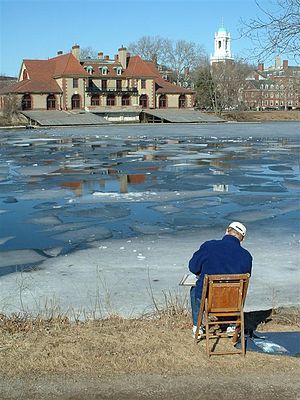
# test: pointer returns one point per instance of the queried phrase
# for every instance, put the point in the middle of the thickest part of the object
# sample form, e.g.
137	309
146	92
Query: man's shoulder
210	243
247	253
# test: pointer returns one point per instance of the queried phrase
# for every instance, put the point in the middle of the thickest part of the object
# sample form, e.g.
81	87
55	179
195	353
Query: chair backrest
226	293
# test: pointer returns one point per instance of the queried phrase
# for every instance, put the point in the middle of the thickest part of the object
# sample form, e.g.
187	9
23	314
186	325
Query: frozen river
102	219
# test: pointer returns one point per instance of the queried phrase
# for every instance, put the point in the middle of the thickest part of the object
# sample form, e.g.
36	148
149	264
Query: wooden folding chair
222	303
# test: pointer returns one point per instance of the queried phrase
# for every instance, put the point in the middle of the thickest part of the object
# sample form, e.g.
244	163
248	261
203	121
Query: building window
25	75
125	100
110	100
75	82
104	70
75	101
143	83
104	84
89	69
26	102
119	84
95	100
51	102
119	71
182	101
90	82
162	101
144	101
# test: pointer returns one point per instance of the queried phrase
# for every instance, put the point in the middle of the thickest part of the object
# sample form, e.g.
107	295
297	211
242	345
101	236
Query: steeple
222	50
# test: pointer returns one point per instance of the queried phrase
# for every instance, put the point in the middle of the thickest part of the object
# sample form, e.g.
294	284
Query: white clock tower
222	51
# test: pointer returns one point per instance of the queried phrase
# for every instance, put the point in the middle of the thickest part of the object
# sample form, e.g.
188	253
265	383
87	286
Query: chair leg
243	345
206	330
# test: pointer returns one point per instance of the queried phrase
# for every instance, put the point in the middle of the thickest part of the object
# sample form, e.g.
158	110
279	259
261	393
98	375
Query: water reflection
181	183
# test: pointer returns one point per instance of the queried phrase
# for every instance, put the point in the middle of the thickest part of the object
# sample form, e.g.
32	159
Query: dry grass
253	116
159	344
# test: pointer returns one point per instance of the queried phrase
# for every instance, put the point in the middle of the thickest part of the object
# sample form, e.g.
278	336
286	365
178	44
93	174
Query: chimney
122	53
154	59
76	51
100	55
59	53
285	64
106	58
256	77
261	67
116	57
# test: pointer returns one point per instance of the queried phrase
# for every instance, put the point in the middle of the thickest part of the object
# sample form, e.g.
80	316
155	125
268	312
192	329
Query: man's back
224	256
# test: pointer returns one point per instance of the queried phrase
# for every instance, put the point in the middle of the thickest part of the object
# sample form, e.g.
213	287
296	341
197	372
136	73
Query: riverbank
261	116
144	358
19	121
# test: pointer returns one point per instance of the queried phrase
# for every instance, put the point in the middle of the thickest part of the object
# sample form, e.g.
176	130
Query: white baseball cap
239	227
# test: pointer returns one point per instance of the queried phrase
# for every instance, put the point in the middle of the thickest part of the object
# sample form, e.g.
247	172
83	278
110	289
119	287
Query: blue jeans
195	304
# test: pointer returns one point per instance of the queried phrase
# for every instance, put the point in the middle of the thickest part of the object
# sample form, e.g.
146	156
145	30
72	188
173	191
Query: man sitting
216	257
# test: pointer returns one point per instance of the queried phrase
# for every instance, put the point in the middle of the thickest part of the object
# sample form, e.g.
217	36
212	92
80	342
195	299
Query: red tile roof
138	68
163	86
42	74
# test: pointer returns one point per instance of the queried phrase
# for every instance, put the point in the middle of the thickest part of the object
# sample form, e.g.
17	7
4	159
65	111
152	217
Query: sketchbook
188	280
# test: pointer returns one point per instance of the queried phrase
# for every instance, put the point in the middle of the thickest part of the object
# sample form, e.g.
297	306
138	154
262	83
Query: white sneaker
230	330
201	331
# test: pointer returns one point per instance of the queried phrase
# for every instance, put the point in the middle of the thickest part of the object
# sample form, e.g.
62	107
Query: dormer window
25	75
89	69
104	70
119	71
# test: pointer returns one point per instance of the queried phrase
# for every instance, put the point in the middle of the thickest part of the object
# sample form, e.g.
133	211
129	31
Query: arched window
25	75
75	101
182	101
125	100
144	101
26	102
162	102
95	100
51	102
110	100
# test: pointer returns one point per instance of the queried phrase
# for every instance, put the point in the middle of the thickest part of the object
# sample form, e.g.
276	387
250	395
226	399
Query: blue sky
38	29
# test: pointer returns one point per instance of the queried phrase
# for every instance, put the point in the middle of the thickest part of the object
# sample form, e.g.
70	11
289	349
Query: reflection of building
220	188
76	187
67	82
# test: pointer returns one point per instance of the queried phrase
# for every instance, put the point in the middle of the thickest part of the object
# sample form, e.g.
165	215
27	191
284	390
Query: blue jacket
225	256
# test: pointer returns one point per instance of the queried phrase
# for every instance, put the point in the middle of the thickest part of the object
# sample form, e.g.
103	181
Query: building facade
273	88
67	82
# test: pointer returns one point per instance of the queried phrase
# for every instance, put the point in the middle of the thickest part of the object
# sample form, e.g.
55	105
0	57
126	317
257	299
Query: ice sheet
140	200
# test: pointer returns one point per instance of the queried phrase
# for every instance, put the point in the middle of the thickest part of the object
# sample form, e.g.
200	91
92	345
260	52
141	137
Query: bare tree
184	58
227	83
277	30
181	56
11	107
152	47
87	52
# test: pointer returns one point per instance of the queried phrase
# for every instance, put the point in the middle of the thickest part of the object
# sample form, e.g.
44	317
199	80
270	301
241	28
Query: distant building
222	47
67	82
273	88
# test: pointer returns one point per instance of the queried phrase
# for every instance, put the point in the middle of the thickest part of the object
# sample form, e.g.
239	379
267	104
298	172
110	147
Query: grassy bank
159	344
262	116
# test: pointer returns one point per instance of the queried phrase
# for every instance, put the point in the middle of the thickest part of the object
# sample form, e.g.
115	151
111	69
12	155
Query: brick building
275	88
67	82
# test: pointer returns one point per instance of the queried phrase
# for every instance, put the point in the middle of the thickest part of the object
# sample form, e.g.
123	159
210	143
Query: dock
178	116
51	118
